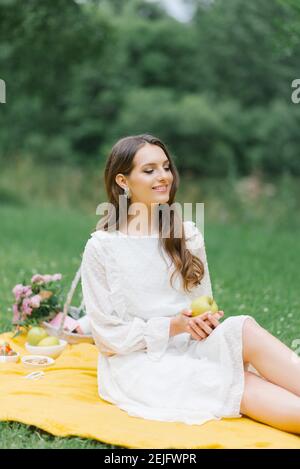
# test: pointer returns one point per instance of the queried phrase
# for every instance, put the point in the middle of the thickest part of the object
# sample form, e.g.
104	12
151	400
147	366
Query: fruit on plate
202	304
49	341
6	350
35	335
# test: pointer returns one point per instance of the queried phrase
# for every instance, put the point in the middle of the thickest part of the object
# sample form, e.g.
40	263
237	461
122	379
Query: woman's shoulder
193	236
102	234
95	244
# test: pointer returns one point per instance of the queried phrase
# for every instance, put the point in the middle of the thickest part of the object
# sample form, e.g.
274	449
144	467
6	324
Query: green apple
35	335
48	341
202	304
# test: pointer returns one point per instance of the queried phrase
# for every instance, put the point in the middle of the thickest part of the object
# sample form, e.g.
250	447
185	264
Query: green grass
253	267
15	435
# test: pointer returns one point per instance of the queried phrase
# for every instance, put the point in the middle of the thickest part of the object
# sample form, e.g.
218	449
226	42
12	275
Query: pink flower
47	278
26	308
35	301
18	291
37	278
56	277
16	313
27	291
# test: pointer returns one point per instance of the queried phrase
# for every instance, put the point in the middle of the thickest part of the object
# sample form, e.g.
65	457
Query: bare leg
270	357
270	404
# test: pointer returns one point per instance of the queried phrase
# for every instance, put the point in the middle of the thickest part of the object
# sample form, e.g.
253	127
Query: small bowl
9	358
35	361
51	351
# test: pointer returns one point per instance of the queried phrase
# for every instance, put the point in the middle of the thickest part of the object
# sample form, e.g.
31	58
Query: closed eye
151	170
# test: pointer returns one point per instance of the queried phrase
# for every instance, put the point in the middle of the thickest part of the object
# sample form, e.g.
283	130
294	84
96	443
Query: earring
127	192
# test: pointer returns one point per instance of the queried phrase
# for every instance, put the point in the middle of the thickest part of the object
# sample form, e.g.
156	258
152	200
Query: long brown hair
120	160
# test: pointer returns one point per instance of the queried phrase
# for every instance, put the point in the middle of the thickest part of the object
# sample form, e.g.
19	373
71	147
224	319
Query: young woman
156	361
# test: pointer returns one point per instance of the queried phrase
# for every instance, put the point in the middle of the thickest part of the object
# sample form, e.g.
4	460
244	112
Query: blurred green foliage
217	89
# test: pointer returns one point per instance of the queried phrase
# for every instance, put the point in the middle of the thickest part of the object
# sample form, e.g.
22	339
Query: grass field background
252	244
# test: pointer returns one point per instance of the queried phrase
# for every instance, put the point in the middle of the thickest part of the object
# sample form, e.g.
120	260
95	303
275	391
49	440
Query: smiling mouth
160	188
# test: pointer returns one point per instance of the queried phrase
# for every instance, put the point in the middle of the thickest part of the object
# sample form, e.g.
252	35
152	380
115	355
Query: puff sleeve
112	334
195	244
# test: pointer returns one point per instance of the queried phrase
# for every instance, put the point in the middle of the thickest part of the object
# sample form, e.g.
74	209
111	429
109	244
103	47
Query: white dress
143	371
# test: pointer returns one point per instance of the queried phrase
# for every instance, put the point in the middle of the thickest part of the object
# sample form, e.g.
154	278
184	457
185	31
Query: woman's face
151	170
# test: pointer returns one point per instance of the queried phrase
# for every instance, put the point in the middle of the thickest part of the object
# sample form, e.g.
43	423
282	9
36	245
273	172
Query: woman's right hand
200	326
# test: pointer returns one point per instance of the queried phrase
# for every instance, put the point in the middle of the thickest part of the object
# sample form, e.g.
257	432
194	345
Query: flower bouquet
37	302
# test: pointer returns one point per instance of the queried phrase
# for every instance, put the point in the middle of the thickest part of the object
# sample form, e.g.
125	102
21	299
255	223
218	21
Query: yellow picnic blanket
65	402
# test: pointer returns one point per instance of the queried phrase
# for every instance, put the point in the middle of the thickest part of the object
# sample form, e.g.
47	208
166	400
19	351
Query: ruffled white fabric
130	302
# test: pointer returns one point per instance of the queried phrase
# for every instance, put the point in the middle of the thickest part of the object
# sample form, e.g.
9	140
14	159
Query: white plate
26	360
9	358
51	351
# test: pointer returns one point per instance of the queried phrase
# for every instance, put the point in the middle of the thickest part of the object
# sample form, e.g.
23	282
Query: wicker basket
70	337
